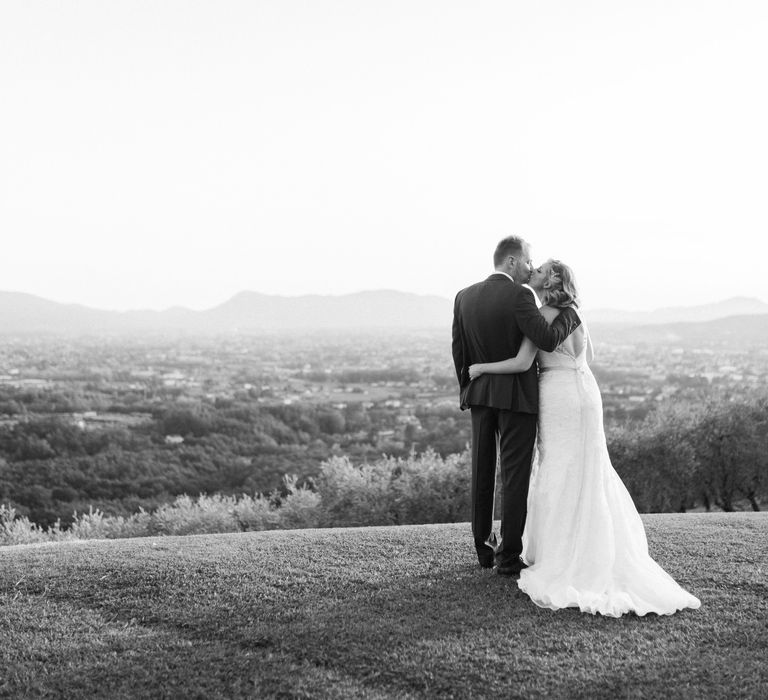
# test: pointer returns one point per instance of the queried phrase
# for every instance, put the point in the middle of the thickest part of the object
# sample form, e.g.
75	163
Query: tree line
50	466
681	456
698	454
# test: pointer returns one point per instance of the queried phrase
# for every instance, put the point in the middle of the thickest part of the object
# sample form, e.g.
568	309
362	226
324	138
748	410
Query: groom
490	319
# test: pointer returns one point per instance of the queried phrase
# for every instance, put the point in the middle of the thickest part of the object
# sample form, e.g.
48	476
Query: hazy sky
157	153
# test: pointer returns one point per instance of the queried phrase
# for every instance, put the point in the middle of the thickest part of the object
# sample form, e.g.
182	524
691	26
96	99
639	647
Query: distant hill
732	322
732	331
249	312
736	306
245	312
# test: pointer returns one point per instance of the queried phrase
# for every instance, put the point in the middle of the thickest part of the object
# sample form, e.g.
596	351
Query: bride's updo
561	291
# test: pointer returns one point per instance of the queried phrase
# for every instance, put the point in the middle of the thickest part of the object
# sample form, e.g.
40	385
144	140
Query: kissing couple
569	528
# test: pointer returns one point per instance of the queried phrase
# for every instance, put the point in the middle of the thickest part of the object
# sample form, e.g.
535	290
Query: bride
584	542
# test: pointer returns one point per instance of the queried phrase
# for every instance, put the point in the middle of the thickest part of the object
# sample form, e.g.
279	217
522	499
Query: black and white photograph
393	350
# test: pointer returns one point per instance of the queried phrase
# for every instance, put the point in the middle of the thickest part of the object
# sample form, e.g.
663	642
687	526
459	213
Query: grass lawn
374	612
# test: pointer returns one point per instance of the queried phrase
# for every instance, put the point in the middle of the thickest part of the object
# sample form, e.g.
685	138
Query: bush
300	508
94	525
352	496
431	489
416	489
187	516
256	513
20	530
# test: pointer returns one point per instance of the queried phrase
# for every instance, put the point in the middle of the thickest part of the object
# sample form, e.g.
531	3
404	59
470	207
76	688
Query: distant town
397	375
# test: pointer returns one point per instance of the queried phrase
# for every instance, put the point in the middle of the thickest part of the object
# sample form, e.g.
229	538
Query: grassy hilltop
392	612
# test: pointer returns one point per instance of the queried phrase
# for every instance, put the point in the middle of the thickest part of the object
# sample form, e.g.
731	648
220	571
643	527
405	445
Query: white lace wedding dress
584	541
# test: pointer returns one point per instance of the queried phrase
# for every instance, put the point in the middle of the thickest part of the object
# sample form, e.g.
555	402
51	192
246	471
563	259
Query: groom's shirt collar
535	296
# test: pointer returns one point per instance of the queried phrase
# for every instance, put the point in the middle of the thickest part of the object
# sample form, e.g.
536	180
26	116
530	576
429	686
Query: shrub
204	515
353	495
300	508
431	489
256	513
20	530
422	488
94	525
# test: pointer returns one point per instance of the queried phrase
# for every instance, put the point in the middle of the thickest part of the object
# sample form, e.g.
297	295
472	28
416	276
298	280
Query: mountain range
22	313
736	306
249	312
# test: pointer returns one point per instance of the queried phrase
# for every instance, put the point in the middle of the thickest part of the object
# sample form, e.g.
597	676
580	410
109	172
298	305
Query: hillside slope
369	613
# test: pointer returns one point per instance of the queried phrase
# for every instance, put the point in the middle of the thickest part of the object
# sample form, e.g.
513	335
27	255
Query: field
393	612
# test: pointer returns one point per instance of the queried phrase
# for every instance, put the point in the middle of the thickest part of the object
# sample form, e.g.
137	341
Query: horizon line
139	309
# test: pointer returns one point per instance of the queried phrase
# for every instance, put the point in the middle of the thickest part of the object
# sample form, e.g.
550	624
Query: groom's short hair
511	245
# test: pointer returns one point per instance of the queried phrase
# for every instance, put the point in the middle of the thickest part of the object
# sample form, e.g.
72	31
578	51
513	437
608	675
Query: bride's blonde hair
562	291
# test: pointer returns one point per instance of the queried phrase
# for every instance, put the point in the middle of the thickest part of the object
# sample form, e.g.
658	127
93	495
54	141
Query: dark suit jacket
490	320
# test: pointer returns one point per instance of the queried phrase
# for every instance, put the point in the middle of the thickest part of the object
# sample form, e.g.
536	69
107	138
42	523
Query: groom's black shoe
486	560
512	568
486	552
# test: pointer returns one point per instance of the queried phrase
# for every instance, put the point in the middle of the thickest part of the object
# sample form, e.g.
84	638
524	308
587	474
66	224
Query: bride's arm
519	363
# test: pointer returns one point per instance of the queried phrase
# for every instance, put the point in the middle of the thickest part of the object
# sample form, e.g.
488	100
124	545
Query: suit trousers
510	435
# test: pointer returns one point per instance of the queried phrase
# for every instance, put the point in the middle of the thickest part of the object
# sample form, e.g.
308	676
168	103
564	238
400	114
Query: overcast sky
158	153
